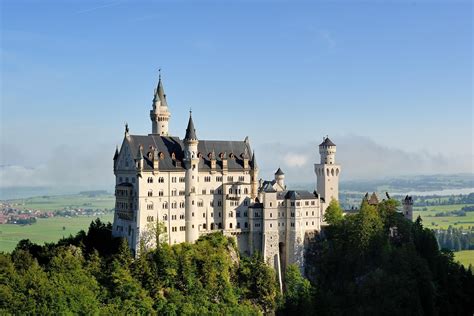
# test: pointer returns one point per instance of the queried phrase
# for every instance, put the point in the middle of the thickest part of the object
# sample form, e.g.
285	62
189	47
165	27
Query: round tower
327	172
191	164
159	114
327	150
408	207
280	178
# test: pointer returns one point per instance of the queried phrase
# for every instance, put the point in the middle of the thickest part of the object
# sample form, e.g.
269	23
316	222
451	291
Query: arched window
246	191
337	171
149	206
150	192
332	172
327	172
149	180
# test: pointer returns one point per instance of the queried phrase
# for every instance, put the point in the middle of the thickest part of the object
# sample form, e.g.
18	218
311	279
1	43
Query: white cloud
295	160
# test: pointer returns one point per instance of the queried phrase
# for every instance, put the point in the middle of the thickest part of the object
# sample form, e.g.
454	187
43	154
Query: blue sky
389	81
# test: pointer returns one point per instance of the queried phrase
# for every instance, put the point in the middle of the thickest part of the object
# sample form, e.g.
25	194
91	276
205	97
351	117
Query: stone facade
196	187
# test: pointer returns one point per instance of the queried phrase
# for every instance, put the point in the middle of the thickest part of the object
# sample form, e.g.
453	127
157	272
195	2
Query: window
211	191
246	225
203	191
241	178
230	225
231	214
149	180
271	214
181	216
160	193
181	204
165	217
204	215
230	178
165	205
211	203
174	205
237	214
201	203
161	180
312	202
219	191
173	179
245	214
270	204
219	203
174	192
246	202
150	192
238	225
182	192
181	179
150	219
207	179
246	191
149	206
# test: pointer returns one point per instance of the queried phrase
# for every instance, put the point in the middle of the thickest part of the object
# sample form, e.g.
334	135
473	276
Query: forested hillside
371	263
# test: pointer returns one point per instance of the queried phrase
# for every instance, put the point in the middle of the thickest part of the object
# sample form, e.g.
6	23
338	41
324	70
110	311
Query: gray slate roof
327	142
190	130
170	144
279	172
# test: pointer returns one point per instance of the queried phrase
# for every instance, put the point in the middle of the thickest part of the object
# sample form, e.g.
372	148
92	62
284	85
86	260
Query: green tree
297	294
333	214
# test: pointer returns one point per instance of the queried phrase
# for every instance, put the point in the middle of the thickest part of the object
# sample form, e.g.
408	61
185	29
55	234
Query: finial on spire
126	128
159	73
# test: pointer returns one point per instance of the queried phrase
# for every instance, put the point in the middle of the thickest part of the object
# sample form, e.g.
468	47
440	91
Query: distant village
11	213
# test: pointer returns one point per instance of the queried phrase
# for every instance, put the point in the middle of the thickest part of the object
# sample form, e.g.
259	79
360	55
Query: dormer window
173	156
150	155
221	155
199	155
232	156
161	155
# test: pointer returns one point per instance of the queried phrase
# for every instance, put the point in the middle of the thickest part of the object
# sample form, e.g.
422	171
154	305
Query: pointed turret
159	114
159	99
139	158
190	130
254	161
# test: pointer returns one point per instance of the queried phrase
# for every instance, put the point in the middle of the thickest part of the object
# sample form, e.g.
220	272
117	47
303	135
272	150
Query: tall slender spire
159	114
190	130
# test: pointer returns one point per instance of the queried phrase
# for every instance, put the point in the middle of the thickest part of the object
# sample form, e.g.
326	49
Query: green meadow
60	202
465	257
45	230
432	221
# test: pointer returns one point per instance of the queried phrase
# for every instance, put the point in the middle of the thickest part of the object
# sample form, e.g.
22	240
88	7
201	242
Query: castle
196	187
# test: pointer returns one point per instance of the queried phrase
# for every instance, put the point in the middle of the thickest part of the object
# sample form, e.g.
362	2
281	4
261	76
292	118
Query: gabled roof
327	142
373	200
296	195
169	145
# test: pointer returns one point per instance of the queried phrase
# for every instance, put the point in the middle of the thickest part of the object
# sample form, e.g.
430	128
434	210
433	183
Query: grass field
60	202
429	217
466	257
45	230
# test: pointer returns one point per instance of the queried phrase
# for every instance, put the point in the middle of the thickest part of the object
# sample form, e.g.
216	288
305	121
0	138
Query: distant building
195	187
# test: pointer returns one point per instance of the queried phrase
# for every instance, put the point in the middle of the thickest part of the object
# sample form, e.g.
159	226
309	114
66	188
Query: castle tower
408	207
160	115
191	164
280	178
327	172
254	177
